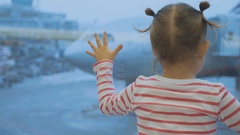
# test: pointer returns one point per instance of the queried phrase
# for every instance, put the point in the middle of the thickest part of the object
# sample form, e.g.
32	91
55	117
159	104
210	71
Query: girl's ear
154	52
203	48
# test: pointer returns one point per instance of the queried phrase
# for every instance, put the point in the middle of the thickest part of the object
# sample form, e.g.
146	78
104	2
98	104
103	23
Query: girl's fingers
105	42
116	50
90	53
92	46
98	41
101	51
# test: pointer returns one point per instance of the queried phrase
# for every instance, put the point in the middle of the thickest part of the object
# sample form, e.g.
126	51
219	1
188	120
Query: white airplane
136	57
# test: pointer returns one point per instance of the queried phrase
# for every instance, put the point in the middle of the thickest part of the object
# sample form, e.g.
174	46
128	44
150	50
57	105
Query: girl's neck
179	71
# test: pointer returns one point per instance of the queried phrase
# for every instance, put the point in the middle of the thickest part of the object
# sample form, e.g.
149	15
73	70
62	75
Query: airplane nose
75	55
71	52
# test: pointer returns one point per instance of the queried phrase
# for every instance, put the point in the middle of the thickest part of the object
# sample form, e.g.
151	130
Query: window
47	84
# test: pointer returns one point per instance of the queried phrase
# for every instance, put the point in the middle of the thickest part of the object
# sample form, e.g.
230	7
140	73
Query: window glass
47	84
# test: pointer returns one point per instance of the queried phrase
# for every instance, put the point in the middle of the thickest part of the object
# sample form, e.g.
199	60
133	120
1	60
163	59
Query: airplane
136	58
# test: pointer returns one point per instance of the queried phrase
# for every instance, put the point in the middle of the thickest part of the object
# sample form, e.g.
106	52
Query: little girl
174	102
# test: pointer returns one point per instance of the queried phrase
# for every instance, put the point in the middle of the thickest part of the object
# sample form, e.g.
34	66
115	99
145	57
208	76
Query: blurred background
42	93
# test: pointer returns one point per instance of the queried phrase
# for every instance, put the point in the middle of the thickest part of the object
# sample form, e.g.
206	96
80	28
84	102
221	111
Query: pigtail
203	6
149	12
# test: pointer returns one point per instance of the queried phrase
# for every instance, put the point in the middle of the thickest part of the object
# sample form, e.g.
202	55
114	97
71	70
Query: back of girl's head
177	30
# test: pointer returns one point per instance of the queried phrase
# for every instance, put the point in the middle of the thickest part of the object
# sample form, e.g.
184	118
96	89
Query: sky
102	11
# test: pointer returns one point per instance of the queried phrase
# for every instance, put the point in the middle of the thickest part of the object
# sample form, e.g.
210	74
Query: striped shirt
165	106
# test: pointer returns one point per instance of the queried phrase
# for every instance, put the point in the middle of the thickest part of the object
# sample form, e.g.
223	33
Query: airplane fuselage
136	57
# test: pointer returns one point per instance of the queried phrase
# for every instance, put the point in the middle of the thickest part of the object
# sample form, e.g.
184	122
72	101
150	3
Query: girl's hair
177	30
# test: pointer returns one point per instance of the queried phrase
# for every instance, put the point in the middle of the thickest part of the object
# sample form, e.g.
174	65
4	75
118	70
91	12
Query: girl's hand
102	51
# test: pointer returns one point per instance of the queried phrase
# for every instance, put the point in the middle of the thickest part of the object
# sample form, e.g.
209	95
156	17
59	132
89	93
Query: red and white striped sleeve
111	102
229	110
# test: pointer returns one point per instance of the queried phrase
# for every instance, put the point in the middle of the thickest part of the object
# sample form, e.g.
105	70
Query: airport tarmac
65	104
61	104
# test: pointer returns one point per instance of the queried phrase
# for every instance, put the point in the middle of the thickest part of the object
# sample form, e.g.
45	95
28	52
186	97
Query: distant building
22	14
